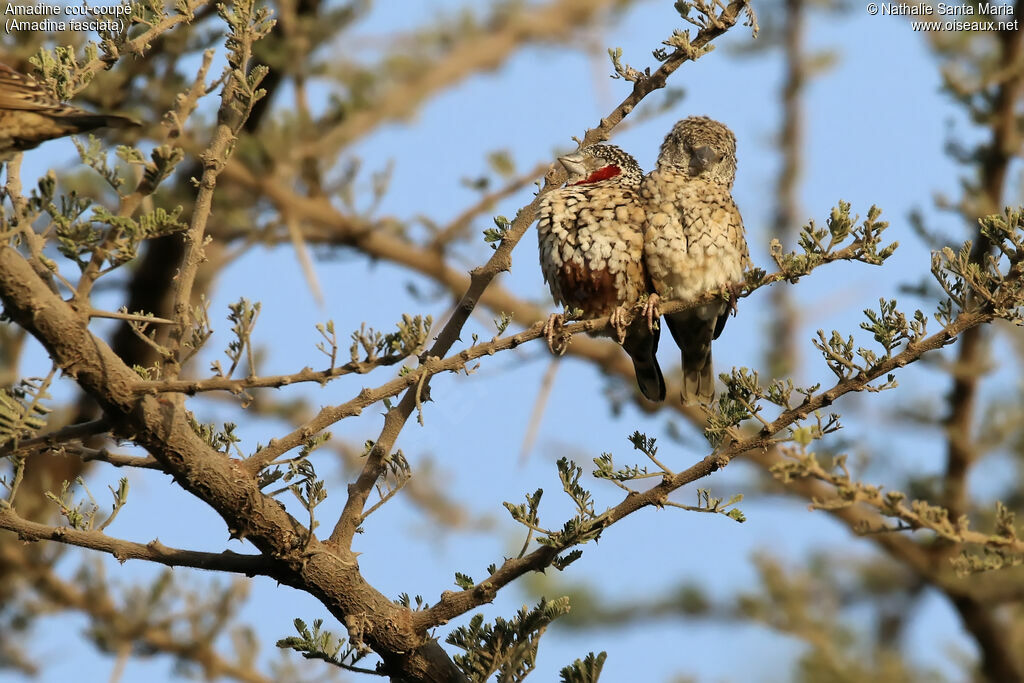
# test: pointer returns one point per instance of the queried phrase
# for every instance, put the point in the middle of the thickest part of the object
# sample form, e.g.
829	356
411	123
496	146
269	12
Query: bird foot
652	312
557	342
619	320
733	290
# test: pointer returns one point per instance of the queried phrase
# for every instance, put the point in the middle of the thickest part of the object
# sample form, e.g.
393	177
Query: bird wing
21	93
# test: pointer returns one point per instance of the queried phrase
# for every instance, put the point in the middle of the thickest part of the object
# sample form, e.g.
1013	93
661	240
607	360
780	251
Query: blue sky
877	124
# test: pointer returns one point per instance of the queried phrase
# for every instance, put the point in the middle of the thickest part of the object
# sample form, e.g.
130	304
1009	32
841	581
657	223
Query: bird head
699	147
600	162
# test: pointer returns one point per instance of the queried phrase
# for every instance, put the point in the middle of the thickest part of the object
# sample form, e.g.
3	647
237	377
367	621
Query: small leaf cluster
494	236
581	528
625	71
606	470
708	503
298	469
586	671
409	339
60	71
162	162
820	245
585	525
82	514
502	322
405	601
605	463
118	243
745	397
220	441
889	327
22	411
996	282
247	23
412	335
507	647
242	315
997	552
94	156
314	643
705	16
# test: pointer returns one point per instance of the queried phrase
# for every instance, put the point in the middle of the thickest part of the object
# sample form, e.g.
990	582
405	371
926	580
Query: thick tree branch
299	560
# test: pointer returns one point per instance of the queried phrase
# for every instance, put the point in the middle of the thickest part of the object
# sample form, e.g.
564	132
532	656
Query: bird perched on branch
694	241
30	115
591	253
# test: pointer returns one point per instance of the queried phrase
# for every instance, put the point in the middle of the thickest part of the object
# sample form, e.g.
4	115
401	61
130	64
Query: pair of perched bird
612	236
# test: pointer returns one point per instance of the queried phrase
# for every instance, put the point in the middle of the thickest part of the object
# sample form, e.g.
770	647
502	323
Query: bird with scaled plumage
30	115
591	253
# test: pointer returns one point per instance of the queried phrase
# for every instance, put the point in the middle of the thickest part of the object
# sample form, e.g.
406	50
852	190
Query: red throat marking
605	173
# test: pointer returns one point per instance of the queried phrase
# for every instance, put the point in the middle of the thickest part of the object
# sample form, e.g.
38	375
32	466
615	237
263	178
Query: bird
30	115
591	253
694	242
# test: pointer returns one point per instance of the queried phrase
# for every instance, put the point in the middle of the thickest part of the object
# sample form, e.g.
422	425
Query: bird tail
86	122
698	380
642	346
693	335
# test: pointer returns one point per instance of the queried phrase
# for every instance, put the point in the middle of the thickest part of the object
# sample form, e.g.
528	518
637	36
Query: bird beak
704	157
573	165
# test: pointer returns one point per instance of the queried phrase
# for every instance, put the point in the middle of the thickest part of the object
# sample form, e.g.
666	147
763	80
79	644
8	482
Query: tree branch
238	385
154	551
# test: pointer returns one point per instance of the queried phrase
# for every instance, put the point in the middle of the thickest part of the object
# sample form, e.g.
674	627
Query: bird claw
618	321
734	290
651	311
557	342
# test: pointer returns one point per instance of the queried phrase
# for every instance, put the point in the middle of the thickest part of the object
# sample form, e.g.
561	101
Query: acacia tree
171	218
